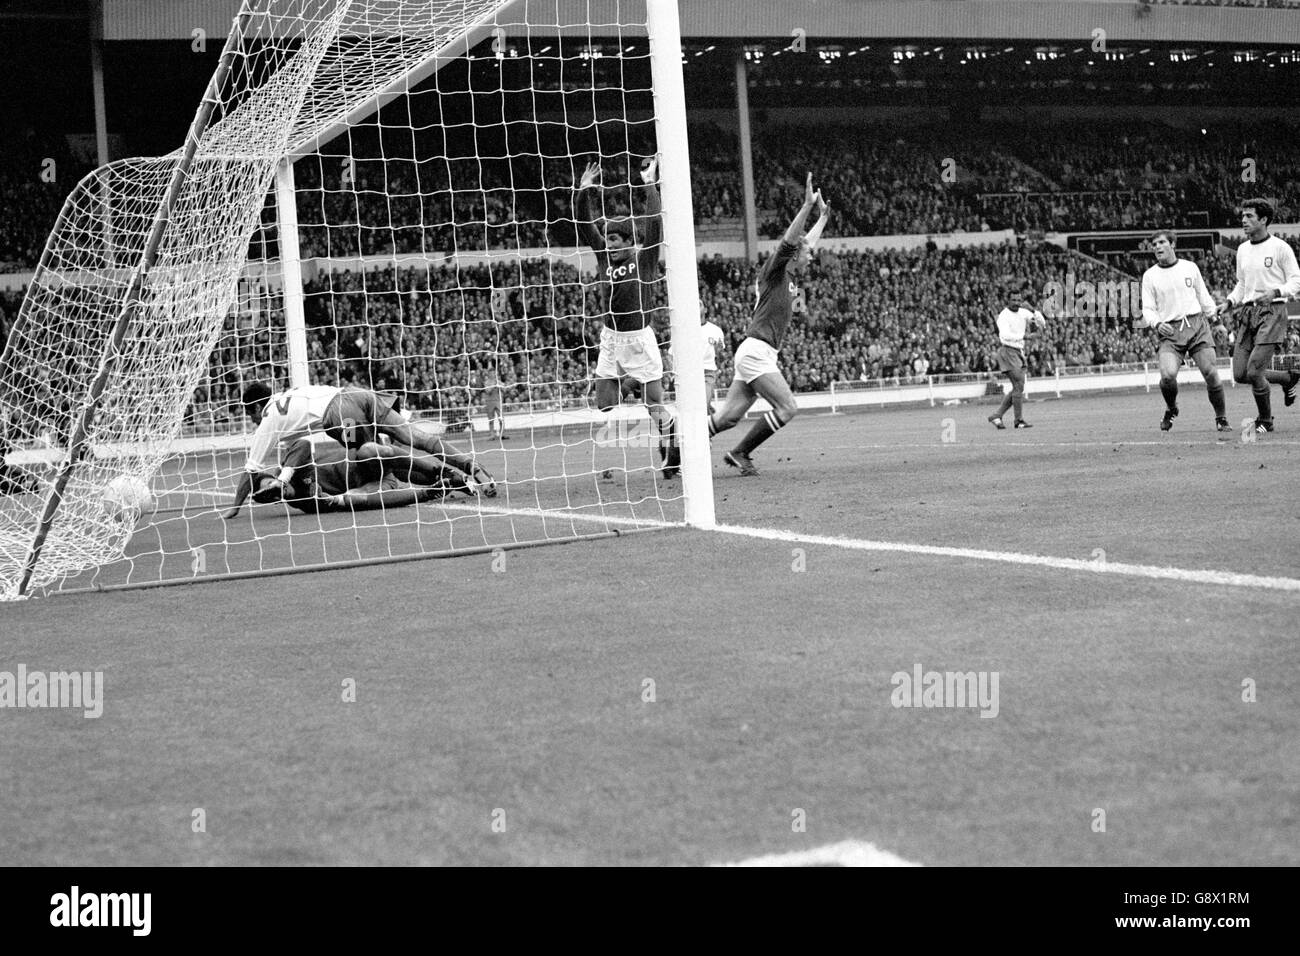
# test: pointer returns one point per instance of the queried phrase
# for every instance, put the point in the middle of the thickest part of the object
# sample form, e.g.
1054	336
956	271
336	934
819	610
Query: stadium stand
879	315
36	173
882	180
871	315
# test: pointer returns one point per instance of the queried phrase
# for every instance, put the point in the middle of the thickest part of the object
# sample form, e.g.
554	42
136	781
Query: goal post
376	194
679	253
295	323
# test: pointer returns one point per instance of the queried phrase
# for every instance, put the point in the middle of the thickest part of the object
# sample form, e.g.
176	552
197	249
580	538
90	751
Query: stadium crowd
884	180
36	174
881	180
870	316
431	332
1060	177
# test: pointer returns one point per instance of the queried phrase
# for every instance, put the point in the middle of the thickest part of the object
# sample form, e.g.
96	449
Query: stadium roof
971	19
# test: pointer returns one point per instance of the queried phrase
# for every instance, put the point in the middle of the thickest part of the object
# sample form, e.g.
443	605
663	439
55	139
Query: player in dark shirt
627	259
757	373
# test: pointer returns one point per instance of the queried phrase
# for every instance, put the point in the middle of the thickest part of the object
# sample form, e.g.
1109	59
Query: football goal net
394	230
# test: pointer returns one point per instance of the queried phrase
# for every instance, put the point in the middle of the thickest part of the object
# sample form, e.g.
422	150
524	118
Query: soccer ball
125	494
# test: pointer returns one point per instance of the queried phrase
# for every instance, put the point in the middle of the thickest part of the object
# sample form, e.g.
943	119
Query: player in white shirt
1013	329
1177	305
1267	275
353	417
714	339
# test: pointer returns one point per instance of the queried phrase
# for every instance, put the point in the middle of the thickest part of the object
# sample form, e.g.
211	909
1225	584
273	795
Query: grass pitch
519	697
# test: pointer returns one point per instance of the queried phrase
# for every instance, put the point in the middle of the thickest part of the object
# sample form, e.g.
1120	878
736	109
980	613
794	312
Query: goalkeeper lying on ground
352	417
377	475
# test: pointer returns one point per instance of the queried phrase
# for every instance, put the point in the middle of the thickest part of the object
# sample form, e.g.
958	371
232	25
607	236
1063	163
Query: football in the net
125	494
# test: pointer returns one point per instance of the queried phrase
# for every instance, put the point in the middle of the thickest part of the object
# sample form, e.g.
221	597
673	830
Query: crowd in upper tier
905	178
1063	177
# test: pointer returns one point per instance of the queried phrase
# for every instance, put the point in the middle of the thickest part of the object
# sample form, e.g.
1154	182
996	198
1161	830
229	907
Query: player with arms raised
1267	275
1013	328
1177	305
627	258
756	372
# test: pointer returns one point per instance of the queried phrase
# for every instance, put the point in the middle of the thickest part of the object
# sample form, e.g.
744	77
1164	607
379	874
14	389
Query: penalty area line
1187	575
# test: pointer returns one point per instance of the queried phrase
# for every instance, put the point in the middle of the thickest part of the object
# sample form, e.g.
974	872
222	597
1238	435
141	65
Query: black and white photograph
651	433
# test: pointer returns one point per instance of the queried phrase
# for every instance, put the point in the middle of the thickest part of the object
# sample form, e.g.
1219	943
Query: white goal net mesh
434	147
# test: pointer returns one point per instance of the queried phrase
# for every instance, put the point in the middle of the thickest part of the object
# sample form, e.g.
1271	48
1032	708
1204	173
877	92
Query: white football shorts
754	358
632	354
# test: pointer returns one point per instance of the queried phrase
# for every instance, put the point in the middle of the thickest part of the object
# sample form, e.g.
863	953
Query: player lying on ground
1177	305
1013	328
627	258
328	477
352	417
1267	275
756	372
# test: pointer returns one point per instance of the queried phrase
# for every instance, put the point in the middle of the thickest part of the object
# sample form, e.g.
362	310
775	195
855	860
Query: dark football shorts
1010	359
1187	339
1261	323
351	419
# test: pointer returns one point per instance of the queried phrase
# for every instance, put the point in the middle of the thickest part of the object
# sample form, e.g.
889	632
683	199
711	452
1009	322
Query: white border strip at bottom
844	853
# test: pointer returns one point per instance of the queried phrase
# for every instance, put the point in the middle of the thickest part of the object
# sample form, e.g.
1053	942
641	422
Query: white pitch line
845	853
498	511
1186	575
1047	444
1229	578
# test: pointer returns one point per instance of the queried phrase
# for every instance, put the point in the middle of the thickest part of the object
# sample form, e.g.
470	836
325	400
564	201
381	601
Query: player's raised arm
794	232
585	216
649	225
823	216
